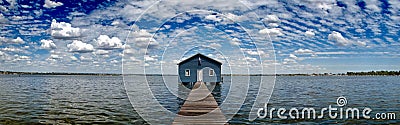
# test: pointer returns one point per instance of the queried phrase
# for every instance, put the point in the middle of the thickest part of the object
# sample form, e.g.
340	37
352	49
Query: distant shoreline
370	73
55	73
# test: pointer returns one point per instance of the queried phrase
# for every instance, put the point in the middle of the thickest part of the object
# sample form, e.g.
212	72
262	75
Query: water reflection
183	92
215	89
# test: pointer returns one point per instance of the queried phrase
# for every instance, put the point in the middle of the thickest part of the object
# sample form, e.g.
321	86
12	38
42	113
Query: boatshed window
187	72
211	72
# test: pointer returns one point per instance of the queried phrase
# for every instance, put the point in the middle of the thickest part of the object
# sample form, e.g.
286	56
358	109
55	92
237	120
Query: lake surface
103	99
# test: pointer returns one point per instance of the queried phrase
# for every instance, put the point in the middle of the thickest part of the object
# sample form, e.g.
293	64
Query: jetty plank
200	108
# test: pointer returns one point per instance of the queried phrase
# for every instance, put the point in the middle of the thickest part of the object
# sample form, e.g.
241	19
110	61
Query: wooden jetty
200	108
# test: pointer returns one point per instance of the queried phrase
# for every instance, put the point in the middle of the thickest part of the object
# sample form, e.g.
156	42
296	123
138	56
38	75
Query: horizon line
109	73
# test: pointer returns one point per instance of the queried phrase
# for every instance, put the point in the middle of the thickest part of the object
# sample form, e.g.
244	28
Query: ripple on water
65	100
102	99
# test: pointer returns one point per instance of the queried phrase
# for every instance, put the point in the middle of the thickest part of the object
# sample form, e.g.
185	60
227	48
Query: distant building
199	68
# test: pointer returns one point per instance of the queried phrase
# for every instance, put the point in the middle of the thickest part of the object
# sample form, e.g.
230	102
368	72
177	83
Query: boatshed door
200	75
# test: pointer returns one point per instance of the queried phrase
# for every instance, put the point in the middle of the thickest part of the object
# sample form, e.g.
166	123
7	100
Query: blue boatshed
199	68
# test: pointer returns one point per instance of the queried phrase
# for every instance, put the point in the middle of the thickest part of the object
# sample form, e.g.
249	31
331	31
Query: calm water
103	100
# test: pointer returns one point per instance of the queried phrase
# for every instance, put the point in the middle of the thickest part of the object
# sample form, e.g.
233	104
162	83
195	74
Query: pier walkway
200	108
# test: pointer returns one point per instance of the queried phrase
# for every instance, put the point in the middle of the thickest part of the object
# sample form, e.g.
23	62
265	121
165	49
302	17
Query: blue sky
298	36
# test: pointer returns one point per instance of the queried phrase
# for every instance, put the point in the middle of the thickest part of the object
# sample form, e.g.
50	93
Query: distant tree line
51	73
388	73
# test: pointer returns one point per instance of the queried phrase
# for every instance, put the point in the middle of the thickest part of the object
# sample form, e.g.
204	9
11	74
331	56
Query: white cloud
360	30
107	43
293	56
115	23
82	58
149	59
167	26
360	43
272	20
3	40
119	23
51	4
63	30
4	9
215	45
373	8
3	19
114	61
17	40
336	53
101	52
143	39
53	56
251	59
325	6
133	59
339	39
23	58
235	42
17	17
128	50
11	49
309	33
73	58
273	25
304	51
271	32
234	17
80	47
47	44
253	53
213	18
373	5
394	6
288	61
